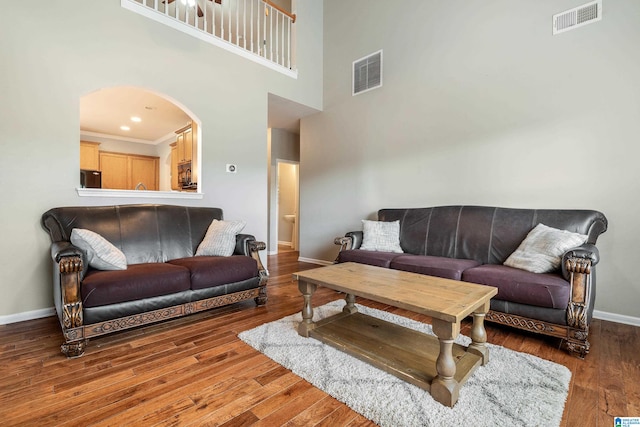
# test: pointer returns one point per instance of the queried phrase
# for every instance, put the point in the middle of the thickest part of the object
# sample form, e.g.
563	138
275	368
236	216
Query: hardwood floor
195	371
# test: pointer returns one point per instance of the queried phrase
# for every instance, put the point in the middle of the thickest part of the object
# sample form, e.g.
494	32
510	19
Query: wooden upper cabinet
186	155
121	171
188	145
174	167
186	141
89	155
114	167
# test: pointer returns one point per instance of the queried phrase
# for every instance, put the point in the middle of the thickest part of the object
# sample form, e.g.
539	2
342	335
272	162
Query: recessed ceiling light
125	128
136	119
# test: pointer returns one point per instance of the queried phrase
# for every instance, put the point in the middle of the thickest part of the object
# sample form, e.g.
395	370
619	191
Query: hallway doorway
287	187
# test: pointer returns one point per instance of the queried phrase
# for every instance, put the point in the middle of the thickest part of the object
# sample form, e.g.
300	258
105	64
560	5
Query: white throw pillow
220	239
541	251
101	254
383	236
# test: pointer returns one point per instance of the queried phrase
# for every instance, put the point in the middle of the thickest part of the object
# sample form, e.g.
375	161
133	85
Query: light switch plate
231	168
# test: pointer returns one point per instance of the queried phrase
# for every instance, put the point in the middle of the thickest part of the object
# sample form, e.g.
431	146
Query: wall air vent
577	17
367	73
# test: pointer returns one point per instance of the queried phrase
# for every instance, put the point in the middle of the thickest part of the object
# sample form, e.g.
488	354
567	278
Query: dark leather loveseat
471	243
162	280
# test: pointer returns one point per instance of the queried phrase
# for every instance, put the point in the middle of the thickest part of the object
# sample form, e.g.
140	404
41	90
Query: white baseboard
617	318
314	261
285	243
27	315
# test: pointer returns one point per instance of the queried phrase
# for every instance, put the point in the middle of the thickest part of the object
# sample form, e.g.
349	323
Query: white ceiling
286	114
104	111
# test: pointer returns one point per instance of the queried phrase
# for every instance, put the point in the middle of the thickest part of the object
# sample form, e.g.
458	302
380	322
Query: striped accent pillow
101	254
381	236
220	239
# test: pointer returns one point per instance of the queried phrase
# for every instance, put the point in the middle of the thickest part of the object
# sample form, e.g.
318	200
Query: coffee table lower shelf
400	351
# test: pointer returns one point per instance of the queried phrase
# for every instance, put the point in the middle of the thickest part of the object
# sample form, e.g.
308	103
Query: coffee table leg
307	290
479	334
350	307
444	387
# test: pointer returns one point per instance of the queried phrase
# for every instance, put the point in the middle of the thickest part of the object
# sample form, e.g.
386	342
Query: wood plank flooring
195	371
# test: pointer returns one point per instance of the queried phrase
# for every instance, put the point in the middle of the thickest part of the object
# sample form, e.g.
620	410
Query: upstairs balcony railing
257	29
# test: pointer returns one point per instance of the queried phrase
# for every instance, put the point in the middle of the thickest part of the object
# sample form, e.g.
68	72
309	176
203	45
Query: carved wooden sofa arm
68	272
351	240
577	269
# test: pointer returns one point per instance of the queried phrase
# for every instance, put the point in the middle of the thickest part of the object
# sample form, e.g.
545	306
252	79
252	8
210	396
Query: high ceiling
103	112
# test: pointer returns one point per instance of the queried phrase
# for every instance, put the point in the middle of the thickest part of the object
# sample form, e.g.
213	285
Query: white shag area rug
513	389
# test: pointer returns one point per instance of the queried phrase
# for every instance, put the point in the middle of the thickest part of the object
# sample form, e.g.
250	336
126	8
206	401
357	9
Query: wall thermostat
232	168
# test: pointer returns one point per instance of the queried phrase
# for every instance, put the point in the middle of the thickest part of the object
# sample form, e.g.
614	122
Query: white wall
480	105
52	53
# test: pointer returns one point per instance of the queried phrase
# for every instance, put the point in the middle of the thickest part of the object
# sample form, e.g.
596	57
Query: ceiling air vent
577	17
367	73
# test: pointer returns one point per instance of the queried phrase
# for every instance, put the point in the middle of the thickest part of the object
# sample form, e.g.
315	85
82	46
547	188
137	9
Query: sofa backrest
144	233
486	234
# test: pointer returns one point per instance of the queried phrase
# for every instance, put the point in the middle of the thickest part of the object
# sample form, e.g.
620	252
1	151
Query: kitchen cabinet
174	166
184	143
122	171
114	170
186	155
89	155
144	171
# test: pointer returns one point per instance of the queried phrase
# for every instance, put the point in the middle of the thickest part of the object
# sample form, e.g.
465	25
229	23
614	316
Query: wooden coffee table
437	365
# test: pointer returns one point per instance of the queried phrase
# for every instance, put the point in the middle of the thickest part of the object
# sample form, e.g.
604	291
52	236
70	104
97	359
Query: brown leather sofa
471	243
163	278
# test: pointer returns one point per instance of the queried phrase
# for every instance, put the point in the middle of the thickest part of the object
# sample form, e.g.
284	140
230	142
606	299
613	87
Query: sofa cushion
448	268
137	282
378	259
381	236
515	285
541	251
209	271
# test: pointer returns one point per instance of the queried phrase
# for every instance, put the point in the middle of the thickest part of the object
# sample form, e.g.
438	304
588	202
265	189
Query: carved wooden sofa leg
73	349
254	248
577	343
261	299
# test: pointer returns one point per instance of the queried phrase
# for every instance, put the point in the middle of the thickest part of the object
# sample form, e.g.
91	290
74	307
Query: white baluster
252	25
238	24
229	17
222	21
213	19
205	27
289	44
244	23
271	34
277	33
